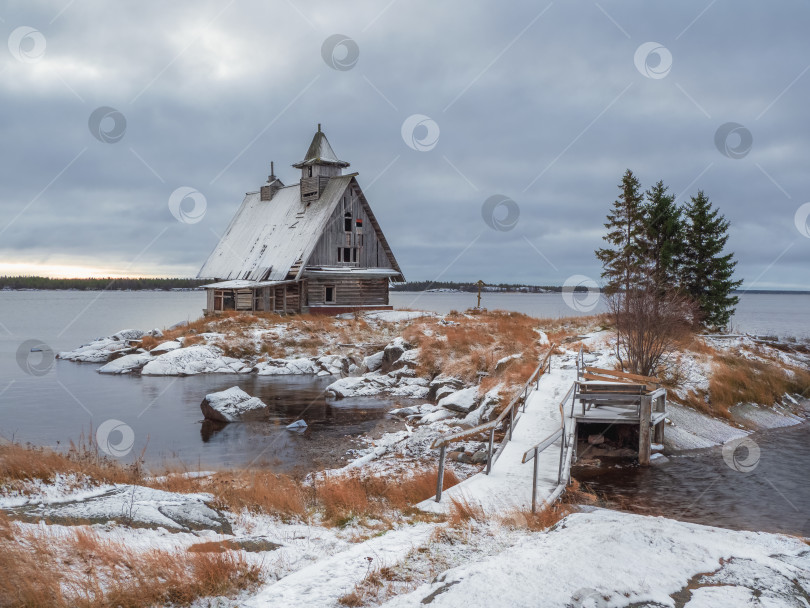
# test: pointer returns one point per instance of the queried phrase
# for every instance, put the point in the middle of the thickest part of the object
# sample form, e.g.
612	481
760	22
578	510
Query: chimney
272	186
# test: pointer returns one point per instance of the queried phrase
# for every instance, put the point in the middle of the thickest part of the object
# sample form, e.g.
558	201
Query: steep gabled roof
320	153
265	239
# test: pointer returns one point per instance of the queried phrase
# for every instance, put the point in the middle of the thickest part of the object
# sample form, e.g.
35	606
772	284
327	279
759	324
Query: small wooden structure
614	397
314	246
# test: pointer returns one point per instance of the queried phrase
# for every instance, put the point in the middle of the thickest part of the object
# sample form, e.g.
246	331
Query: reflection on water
165	416
702	488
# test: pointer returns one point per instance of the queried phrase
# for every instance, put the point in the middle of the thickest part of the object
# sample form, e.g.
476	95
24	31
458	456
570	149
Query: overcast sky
438	106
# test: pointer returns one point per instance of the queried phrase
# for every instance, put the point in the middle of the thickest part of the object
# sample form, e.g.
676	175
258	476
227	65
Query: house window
354	254
348	239
329	294
309	171
347	254
347	222
359	223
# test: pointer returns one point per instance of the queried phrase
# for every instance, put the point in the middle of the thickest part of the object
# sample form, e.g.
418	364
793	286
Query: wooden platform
607	414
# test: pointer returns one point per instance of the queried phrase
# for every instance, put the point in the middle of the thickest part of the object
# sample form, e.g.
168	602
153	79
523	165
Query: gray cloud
547	109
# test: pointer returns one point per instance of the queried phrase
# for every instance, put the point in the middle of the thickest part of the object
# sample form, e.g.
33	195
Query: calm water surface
164	413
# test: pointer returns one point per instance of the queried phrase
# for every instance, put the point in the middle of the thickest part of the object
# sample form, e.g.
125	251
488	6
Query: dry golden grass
374	586
20	463
338	499
736	379
81	570
463	511
578	494
543	519
258	492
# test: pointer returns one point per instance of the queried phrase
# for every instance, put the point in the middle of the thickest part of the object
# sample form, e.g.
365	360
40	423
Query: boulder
128	334
97	351
506	360
480	457
165	347
463	401
407	361
405	411
439	414
229	405
392	353
373	362
444	385
126	364
197	359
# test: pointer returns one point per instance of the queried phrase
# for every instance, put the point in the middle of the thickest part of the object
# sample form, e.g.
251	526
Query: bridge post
659	432
534	480
644	438
440	477
511	422
489	449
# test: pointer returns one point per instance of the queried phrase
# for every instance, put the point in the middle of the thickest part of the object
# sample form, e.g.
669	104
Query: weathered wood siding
371	252
349	291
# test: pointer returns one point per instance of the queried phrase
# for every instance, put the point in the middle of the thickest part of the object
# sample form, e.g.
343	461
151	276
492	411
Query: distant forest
126	284
472	287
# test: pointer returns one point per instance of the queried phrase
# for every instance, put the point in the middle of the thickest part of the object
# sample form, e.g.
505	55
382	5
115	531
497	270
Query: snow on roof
345	270
241	284
265	239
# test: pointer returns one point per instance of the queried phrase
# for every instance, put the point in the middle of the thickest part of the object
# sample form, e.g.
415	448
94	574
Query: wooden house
314	246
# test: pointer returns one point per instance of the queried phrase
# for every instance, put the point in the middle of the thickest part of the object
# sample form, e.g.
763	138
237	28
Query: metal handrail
520	399
533	453
533	378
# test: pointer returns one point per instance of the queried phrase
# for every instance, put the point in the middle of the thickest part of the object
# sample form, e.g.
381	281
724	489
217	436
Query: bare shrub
649	325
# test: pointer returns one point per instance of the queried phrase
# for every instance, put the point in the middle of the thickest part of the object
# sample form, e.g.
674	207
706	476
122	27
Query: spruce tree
621	260
706	273
661	242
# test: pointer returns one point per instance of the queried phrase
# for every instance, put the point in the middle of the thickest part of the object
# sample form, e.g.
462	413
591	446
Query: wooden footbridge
593	396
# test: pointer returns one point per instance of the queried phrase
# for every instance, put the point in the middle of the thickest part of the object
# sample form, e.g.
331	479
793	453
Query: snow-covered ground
609	559
595	558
